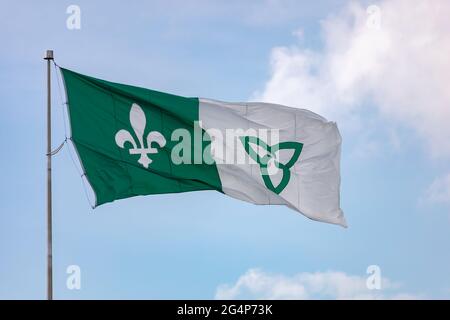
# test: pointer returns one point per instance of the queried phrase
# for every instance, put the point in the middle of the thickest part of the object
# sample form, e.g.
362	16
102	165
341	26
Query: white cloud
439	190
400	64
256	284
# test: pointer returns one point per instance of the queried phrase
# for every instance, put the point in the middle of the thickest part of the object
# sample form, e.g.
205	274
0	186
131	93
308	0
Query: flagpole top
49	55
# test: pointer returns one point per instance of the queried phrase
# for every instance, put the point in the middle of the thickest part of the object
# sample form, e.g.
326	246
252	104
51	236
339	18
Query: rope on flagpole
53	152
79	168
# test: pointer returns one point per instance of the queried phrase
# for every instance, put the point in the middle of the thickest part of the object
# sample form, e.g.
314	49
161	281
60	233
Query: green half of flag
99	109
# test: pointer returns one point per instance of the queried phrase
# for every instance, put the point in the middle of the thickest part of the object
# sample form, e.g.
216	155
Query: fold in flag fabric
134	141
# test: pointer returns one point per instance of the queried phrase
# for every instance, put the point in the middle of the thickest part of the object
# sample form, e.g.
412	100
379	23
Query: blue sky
381	88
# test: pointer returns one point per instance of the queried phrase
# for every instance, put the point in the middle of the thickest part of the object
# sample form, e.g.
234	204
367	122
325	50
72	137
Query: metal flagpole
49	58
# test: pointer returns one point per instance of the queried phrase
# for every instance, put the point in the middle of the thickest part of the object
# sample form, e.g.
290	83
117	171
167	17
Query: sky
379	69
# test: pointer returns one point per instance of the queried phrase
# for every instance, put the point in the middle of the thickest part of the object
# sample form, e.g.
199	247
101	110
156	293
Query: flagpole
49	58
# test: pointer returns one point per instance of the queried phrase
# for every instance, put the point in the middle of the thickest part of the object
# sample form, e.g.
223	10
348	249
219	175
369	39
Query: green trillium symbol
266	157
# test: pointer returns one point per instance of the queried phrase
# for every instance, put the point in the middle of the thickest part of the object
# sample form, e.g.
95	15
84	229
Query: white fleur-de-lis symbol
138	123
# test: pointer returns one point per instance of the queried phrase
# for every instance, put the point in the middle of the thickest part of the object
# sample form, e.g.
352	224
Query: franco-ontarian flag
134	141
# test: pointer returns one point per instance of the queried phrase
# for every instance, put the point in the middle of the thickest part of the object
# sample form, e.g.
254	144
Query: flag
134	141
